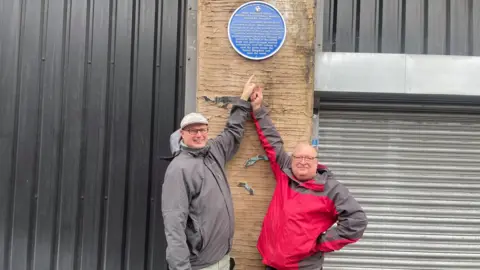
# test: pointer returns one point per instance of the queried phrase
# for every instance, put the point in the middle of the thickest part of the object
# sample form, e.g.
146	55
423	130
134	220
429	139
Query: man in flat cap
197	203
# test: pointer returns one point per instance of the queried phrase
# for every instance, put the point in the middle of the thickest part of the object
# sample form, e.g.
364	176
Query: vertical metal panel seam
470	27
150	262
180	51
144	65
101	260
127	154
380	23
55	82
448	26
319	32
58	199
34	192
127	212
425	26
476	27
155	68
190	86
83	141
325	39
115	239
357	22
89	47
159	39
74	137
334	21
403	13
8	262
109	116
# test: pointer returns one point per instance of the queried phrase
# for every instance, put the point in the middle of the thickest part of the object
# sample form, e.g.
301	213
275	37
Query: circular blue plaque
256	30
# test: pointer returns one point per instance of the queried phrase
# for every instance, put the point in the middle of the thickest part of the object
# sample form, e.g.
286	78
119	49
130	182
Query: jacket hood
175	139
175	146
321	168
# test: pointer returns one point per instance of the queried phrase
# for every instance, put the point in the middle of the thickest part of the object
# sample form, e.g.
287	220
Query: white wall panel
397	73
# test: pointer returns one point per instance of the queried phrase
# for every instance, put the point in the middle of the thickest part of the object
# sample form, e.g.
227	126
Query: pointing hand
248	88
256	98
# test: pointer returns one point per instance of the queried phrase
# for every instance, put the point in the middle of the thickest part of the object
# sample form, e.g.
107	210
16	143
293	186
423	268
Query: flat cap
193	118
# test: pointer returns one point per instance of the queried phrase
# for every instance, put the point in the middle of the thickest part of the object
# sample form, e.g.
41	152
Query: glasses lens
195	131
306	158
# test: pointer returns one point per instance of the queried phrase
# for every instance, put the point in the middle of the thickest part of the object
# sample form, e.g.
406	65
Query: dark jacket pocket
194	237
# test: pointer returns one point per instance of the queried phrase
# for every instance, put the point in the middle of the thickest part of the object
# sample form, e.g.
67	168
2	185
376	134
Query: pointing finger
251	78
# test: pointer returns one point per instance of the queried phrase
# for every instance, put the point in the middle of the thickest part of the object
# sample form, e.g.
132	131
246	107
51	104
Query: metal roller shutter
417	175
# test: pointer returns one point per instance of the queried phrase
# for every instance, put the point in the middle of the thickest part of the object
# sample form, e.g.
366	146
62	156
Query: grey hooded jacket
197	203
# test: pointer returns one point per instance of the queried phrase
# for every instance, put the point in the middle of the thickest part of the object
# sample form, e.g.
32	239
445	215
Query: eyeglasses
195	131
306	158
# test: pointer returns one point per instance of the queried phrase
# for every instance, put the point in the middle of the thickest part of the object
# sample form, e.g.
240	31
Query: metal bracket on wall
247	187
222	101
254	159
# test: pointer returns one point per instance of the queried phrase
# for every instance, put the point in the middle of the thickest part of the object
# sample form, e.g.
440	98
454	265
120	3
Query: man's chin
301	176
198	145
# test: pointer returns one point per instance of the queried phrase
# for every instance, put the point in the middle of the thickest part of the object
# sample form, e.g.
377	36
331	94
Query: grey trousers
223	264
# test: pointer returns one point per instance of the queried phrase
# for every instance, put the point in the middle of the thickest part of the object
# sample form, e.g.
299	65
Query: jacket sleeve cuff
244	103
260	113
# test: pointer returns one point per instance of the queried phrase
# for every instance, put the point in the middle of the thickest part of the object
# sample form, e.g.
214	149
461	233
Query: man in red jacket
297	229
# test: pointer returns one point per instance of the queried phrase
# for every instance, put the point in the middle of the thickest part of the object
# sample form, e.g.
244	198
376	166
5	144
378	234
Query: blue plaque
256	30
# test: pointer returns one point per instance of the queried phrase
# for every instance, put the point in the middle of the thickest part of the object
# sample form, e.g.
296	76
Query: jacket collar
315	184
195	152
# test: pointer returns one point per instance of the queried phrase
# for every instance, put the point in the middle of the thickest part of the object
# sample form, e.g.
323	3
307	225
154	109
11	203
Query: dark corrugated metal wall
444	27
89	93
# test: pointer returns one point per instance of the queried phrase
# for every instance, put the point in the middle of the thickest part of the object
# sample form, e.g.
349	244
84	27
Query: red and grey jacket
297	228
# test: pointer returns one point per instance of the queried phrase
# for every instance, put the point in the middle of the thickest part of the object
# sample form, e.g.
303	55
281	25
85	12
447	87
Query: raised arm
267	133
351	220
228	142
271	140
175	204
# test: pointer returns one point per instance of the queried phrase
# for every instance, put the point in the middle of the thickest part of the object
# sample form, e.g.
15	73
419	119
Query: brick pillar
287	78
